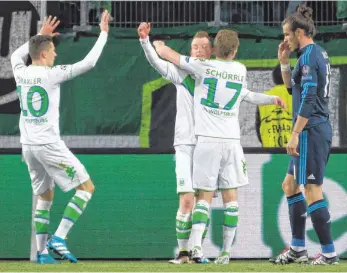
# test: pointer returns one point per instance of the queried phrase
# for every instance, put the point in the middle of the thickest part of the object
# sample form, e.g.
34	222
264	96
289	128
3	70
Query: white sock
231	214
41	224
200	218
72	212
183	229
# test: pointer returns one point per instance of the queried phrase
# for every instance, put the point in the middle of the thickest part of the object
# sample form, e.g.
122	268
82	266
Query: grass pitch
163	266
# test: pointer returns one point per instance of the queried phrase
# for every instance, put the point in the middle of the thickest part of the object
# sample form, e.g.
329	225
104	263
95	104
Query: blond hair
203	34
226	42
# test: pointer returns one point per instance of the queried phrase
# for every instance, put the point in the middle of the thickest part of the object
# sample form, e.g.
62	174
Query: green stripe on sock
71	213
183	225
230	220
184	228
199	217
42	213
41	227
79	202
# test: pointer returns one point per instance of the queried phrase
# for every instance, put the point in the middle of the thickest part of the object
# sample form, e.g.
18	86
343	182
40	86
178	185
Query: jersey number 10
212	87
29	101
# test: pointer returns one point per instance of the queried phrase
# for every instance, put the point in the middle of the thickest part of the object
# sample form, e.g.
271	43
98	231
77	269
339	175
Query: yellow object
275	122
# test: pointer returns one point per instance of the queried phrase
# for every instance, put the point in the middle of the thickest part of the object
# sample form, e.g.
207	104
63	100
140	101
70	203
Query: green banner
109	99
132	213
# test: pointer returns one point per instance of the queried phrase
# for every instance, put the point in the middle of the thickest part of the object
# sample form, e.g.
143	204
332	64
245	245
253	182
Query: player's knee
289	186
285	187
186	202
87	186
313	193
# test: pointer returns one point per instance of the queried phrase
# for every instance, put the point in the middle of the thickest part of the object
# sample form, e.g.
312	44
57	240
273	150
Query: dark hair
302	18
37	44
277	75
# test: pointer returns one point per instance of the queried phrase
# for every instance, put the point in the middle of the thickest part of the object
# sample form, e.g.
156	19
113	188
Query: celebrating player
185	140
48	159
218	161
309	84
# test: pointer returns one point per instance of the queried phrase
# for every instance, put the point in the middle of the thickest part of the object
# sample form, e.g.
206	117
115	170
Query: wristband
285	67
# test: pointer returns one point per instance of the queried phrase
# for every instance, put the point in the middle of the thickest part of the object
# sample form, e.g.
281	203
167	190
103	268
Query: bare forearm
286	76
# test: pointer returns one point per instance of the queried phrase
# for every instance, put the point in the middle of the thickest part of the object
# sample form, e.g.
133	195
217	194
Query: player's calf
320	218
72	212
42	217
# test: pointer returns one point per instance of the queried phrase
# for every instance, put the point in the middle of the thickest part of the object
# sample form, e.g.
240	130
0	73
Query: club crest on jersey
325	55
181	182
187	59
305	70
244	168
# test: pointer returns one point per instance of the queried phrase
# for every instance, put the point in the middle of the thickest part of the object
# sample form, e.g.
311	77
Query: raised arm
283	56
20	55
166	69
63	73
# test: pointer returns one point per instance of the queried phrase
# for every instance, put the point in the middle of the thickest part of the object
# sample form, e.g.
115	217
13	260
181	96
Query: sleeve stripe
305	91
306	57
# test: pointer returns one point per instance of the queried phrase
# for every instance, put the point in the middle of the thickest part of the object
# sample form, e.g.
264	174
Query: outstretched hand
49	25
143	30
280	102
105	19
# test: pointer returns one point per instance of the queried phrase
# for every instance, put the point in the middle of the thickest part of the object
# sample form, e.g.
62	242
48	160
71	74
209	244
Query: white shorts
219	164
53	163
184	168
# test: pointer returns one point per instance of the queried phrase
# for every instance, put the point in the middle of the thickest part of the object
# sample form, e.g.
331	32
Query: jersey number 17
212	88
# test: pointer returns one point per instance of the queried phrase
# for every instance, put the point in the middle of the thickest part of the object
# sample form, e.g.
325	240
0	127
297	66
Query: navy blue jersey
310	85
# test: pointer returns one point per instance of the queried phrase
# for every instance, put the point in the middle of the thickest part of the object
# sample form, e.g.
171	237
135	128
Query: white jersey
184	125
38	90
219	90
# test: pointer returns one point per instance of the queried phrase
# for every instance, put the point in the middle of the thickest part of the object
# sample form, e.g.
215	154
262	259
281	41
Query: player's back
217	98
39	97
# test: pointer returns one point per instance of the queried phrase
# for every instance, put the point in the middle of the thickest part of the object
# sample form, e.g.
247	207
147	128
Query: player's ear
299	32
43	54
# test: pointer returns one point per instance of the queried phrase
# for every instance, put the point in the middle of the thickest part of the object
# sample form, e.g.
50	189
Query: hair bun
305	11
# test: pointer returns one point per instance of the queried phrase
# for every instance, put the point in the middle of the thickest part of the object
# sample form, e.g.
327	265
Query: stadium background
120	117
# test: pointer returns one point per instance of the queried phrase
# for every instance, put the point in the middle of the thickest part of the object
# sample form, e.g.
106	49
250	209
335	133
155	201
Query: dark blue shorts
314	149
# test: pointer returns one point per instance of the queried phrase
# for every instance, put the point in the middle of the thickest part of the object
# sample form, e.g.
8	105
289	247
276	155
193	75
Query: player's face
50	55
201	48
290	37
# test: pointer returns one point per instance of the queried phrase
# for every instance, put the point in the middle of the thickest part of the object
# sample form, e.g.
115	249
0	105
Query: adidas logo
304	215
311	177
